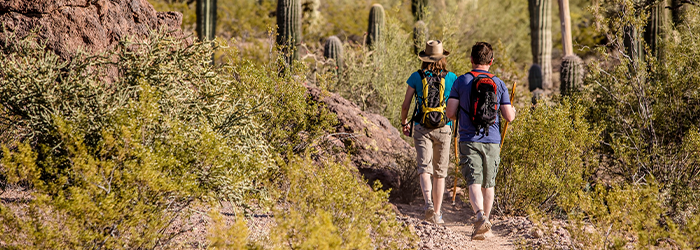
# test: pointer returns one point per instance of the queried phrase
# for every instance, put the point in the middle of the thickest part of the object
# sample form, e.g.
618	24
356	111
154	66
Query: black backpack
433	104
483	101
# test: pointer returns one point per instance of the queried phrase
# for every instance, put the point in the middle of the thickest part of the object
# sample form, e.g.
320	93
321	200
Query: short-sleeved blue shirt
415	82
467	132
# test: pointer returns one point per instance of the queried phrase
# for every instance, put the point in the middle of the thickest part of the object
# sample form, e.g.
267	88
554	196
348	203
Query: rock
90	25
373	143
536	233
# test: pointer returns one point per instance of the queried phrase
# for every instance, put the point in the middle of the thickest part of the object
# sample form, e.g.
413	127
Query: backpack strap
475	74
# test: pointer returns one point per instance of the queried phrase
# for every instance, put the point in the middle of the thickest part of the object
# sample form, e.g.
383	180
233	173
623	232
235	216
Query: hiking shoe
478	237
479	222
437	218
430	212
487	226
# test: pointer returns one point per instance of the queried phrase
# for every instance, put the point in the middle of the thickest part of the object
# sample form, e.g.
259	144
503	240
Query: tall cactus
289	28
541	38
534	77
565	20
633	45
418	7
656	27
678	10
420	36
571	74
206	20
375	28
538	96
333	49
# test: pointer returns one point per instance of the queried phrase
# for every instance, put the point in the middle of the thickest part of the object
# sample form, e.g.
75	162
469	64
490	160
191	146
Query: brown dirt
457	230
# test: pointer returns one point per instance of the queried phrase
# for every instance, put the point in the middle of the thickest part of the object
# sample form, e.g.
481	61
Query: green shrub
649	113
617	214
331	207
546	158
111	161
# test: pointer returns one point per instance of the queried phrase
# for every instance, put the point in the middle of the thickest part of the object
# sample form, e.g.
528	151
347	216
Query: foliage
649	111
37	89
549	148
127	153
328	210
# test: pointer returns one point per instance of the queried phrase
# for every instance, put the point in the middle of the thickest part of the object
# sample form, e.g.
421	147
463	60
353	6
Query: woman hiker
429	124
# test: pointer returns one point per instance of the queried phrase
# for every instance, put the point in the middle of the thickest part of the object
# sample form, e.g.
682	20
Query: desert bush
648	109
546	158
331	207
115	147
644	192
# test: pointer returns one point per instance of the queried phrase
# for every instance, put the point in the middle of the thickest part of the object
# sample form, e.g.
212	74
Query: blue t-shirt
467	132
415	82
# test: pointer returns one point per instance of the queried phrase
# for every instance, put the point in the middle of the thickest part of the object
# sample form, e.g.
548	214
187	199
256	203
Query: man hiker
431	128
475	99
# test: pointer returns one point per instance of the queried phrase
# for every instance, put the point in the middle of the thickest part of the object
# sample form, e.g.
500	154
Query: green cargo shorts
479	162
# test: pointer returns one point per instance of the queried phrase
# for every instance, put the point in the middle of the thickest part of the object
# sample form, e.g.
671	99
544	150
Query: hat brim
432	58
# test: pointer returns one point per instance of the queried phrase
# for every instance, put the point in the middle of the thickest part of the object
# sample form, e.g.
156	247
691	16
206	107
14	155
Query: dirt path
456	232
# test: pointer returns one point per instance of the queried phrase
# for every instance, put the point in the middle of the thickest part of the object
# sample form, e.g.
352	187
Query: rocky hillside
94	26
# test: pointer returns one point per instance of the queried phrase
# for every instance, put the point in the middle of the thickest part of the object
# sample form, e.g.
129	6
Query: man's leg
476	198
489	194
491	162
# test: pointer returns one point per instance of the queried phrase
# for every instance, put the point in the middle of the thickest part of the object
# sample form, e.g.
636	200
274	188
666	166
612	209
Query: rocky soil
506	233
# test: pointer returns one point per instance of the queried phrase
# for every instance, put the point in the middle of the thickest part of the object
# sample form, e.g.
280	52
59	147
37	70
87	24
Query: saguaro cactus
534	77
633	44
565	20
420	36
656	26
206	20
418	8
333	49
571	74
375	28
289	27
541	38
678	10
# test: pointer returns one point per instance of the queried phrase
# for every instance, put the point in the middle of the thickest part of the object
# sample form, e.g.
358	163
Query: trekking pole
456	141
505	128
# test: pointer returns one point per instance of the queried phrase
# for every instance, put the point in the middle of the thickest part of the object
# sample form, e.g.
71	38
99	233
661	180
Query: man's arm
507	111
452	108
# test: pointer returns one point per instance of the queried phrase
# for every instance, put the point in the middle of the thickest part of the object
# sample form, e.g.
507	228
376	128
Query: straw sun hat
433	51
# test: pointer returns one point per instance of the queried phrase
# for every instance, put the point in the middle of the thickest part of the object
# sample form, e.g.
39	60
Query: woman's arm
406	104
405	107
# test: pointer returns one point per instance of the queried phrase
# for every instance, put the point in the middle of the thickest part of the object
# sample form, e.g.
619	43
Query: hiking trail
457	230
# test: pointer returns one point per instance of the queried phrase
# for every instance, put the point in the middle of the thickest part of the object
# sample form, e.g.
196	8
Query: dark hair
435	66
482	53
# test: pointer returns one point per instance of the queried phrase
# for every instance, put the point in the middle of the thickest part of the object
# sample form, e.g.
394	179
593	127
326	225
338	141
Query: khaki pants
433	150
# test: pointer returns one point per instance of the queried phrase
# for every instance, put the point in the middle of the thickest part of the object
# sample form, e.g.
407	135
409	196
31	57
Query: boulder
66	26
374	146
